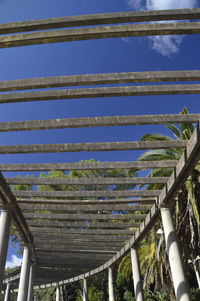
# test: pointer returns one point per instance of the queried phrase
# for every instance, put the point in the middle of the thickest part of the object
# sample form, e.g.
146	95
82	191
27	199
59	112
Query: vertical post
30	285
24	276
7	294
137	282
5	222
110	285
85	292
57	293
178	275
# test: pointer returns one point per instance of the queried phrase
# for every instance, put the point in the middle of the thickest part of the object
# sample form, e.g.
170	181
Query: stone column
85	292
172	244
24	276
7	294
30	285
110	285
5	222
137	282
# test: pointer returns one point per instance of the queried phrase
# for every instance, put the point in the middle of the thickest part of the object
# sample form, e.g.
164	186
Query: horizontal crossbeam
85	181
95	193
108	18
87	202
84	208
90	147
99	92
99	79
87	165
101	32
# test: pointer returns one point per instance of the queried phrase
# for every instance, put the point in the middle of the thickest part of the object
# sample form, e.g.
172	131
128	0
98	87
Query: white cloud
166	45
14	262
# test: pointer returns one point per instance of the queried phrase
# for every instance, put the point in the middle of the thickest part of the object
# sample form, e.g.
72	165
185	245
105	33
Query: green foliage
195	294
156	296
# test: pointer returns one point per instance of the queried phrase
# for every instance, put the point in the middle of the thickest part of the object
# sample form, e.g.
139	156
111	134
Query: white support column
5	222
57	293
179	280
7	294
30	285
24	276
110	285
137	282
85	292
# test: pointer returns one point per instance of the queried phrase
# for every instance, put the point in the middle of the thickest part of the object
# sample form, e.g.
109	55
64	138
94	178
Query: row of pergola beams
100	32
107	18
100	79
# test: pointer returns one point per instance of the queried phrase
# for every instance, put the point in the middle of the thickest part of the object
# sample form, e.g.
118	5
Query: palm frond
155	137
160	154
174	130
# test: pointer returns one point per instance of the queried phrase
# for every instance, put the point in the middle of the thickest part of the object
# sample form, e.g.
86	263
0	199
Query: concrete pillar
110	285
5	222
85	291
24	276
7	294
30	285
137	282
57	293
181	287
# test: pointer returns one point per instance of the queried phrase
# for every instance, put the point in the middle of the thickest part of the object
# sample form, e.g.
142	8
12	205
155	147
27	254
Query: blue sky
98	56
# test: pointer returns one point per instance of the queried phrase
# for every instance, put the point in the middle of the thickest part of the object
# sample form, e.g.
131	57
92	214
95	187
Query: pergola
71	235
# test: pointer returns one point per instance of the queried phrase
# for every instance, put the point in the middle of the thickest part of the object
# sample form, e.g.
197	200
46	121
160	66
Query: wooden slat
99	92
87	165
86	181
97	19
99	79
63	248
74	232
57	250
90	147
88	202
67	244
84	216
98	193
96	122
102	225
84	208
101	32
80	237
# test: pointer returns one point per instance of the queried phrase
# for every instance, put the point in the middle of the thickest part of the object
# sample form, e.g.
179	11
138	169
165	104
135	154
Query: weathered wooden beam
60	248
96	122
83	225
100	92
69	232
79	237
101	32
99	79
87	165
88	251
91	193
144	200
86	181
84	216
84	208
67	244
108	18
51	255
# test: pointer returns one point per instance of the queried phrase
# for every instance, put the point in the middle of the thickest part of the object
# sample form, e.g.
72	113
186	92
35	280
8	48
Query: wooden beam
99	92
96	122
97	19
87	165
83	225
144	200
86	181
80	237
84	208
74	232
99	79
63	248
101	32
87	251
68	245
95	193
84	216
